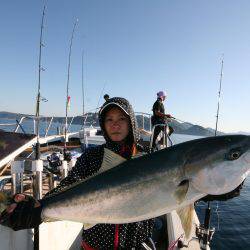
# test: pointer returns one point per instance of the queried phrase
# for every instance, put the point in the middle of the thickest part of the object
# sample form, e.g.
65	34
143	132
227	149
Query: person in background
119	126
159	116
106	97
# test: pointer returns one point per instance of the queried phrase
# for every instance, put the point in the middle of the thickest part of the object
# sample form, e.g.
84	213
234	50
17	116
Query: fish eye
234	154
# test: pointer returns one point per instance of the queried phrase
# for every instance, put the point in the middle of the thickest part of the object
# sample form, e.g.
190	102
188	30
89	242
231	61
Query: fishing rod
84	139
207	234
67	89
38	175
38	99
218	105
177	119
83	92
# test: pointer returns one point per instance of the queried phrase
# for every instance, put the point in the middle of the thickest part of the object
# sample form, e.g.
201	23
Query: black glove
24	216
223	197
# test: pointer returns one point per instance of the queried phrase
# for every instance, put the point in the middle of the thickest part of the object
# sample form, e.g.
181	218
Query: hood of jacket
124	105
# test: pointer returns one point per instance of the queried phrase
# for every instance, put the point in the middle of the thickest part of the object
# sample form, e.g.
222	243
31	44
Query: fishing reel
204	235
55	162
67	155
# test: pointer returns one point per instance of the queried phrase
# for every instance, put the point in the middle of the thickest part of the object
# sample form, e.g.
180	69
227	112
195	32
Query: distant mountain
92	118
243	133
10	115
198	130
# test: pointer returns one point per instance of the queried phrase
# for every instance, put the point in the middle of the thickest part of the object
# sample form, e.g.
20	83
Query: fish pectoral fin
3	196
49	220
110	160
87	226
181	191
3	201
186	215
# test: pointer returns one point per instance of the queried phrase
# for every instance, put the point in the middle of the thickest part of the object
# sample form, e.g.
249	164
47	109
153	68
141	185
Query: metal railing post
19	123
17	169
47	129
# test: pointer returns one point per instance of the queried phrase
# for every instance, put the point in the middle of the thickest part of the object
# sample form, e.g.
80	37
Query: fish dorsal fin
181	191
88	226
110	160
186	215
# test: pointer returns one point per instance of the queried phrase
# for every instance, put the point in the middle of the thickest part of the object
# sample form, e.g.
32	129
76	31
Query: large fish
154	184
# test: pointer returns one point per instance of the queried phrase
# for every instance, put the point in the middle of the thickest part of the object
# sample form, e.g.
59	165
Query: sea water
27	126
231	220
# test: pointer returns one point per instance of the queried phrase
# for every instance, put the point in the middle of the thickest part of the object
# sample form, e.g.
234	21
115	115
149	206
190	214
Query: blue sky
134	48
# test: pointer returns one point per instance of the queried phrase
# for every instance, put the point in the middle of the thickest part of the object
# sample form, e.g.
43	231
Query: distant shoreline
179	128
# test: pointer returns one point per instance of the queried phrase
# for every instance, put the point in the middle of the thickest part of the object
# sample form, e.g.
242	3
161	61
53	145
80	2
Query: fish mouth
218	182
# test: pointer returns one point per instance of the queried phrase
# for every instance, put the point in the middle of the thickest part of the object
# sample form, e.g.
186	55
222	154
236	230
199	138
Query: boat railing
144	119
89	123
70	123
19	125
166	140
49	125
16	125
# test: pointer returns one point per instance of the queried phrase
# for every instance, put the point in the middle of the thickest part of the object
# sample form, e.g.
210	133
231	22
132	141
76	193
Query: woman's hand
23	213
19	198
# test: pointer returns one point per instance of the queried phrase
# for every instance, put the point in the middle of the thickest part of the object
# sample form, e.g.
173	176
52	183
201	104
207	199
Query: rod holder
37	169
51	181
72	163
64	169
17	170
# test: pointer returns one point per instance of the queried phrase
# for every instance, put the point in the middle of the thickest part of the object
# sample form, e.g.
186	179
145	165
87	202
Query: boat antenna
67	90
218	105
38	98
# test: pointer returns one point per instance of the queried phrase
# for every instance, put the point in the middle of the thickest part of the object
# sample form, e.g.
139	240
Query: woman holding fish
118	122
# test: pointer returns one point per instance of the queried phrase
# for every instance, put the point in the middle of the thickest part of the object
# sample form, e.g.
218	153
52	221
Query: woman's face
116	124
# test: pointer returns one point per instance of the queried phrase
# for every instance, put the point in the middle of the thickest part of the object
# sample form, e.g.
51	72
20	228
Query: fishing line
217	213
105	83
98	104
